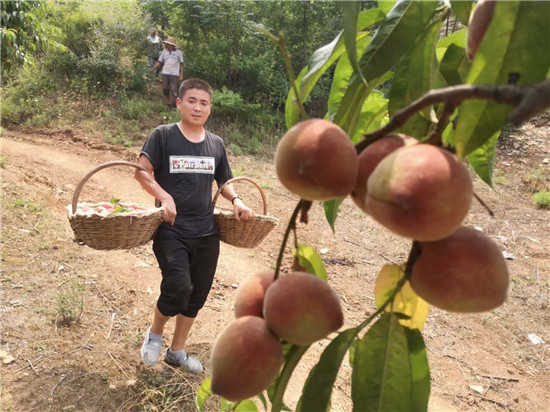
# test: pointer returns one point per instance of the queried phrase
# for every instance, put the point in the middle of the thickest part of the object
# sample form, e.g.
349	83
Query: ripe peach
369	159
419	191
249	299
316	160
465	272
245	359
301	308
477	25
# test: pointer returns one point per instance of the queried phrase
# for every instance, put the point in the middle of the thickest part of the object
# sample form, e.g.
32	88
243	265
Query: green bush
70	302
542	200
231	105
235	149
254	146
137	109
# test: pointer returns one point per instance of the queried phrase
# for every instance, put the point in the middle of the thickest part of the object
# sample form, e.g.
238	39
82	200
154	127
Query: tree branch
530	101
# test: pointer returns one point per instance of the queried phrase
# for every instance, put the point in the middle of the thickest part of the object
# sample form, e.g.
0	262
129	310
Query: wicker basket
244	233
116	231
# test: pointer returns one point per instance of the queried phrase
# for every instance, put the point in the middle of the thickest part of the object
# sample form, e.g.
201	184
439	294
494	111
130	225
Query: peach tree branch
529	101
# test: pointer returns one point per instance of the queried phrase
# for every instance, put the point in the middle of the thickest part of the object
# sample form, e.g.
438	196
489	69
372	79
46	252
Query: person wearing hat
155	47
172	71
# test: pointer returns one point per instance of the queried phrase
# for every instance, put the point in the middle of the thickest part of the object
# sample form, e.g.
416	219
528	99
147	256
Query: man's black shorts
188	267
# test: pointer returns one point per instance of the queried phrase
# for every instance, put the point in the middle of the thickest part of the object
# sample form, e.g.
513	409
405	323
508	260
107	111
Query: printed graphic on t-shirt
192	164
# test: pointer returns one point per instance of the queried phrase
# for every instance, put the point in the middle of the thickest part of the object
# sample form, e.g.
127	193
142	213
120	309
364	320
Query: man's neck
195	134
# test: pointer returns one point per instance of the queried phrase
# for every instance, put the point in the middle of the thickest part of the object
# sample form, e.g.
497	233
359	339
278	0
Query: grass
500	180
169	390
70	302
542	199
537	180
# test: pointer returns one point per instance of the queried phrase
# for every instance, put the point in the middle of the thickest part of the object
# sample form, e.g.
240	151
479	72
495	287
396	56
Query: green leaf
458	38
320	62
404	23
203	393
386	5
420	370
292	112
310	260
276	390
374	109
262	399
482	159
225	404
331	211
340	80
352	349
414	76
351	10
246	406
516	42
381	377
462	9
318	387
454	65
447	136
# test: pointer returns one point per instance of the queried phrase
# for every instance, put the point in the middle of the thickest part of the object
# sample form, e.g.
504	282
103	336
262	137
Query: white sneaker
150	350
193	365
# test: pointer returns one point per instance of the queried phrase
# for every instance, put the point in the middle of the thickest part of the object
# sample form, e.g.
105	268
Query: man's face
194	107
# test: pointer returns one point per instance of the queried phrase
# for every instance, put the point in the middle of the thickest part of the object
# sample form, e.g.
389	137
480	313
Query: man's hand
169	213
241	211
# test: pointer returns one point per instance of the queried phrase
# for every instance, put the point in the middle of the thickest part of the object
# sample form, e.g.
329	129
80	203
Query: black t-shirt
186	170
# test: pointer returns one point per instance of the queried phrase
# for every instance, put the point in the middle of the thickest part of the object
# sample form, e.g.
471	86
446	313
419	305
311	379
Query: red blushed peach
249	299
316	160
245	359
465	272
477	25
369	159
419	191
301	308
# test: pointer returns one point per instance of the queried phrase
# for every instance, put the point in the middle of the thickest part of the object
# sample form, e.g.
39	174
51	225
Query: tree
434	87
23	33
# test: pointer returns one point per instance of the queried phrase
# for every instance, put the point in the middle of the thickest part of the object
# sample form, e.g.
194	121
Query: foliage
221	43
23	33
70	302
231	105
542	199
402	41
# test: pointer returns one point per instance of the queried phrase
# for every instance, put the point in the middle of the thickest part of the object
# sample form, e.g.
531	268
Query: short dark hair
195	84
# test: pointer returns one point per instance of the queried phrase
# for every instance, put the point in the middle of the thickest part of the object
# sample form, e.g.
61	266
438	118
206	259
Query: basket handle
97	169
241	178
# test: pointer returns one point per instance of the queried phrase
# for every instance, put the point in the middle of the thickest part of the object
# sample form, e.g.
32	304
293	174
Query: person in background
155	48
172	71
183	160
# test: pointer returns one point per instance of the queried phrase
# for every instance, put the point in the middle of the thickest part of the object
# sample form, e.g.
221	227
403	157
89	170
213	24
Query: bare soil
483	362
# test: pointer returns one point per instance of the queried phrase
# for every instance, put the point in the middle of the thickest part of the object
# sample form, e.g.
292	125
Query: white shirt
154	39
172	61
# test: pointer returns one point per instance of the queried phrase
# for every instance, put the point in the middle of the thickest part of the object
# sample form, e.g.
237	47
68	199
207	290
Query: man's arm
181	71
151	186
240	210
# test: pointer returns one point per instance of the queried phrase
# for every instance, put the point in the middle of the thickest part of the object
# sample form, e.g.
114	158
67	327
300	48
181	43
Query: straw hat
170	40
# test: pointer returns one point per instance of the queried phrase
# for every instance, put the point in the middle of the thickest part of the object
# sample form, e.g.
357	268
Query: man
172	71
155	47
186	245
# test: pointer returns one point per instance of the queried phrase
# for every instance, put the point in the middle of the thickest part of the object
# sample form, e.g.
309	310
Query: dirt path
94	364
